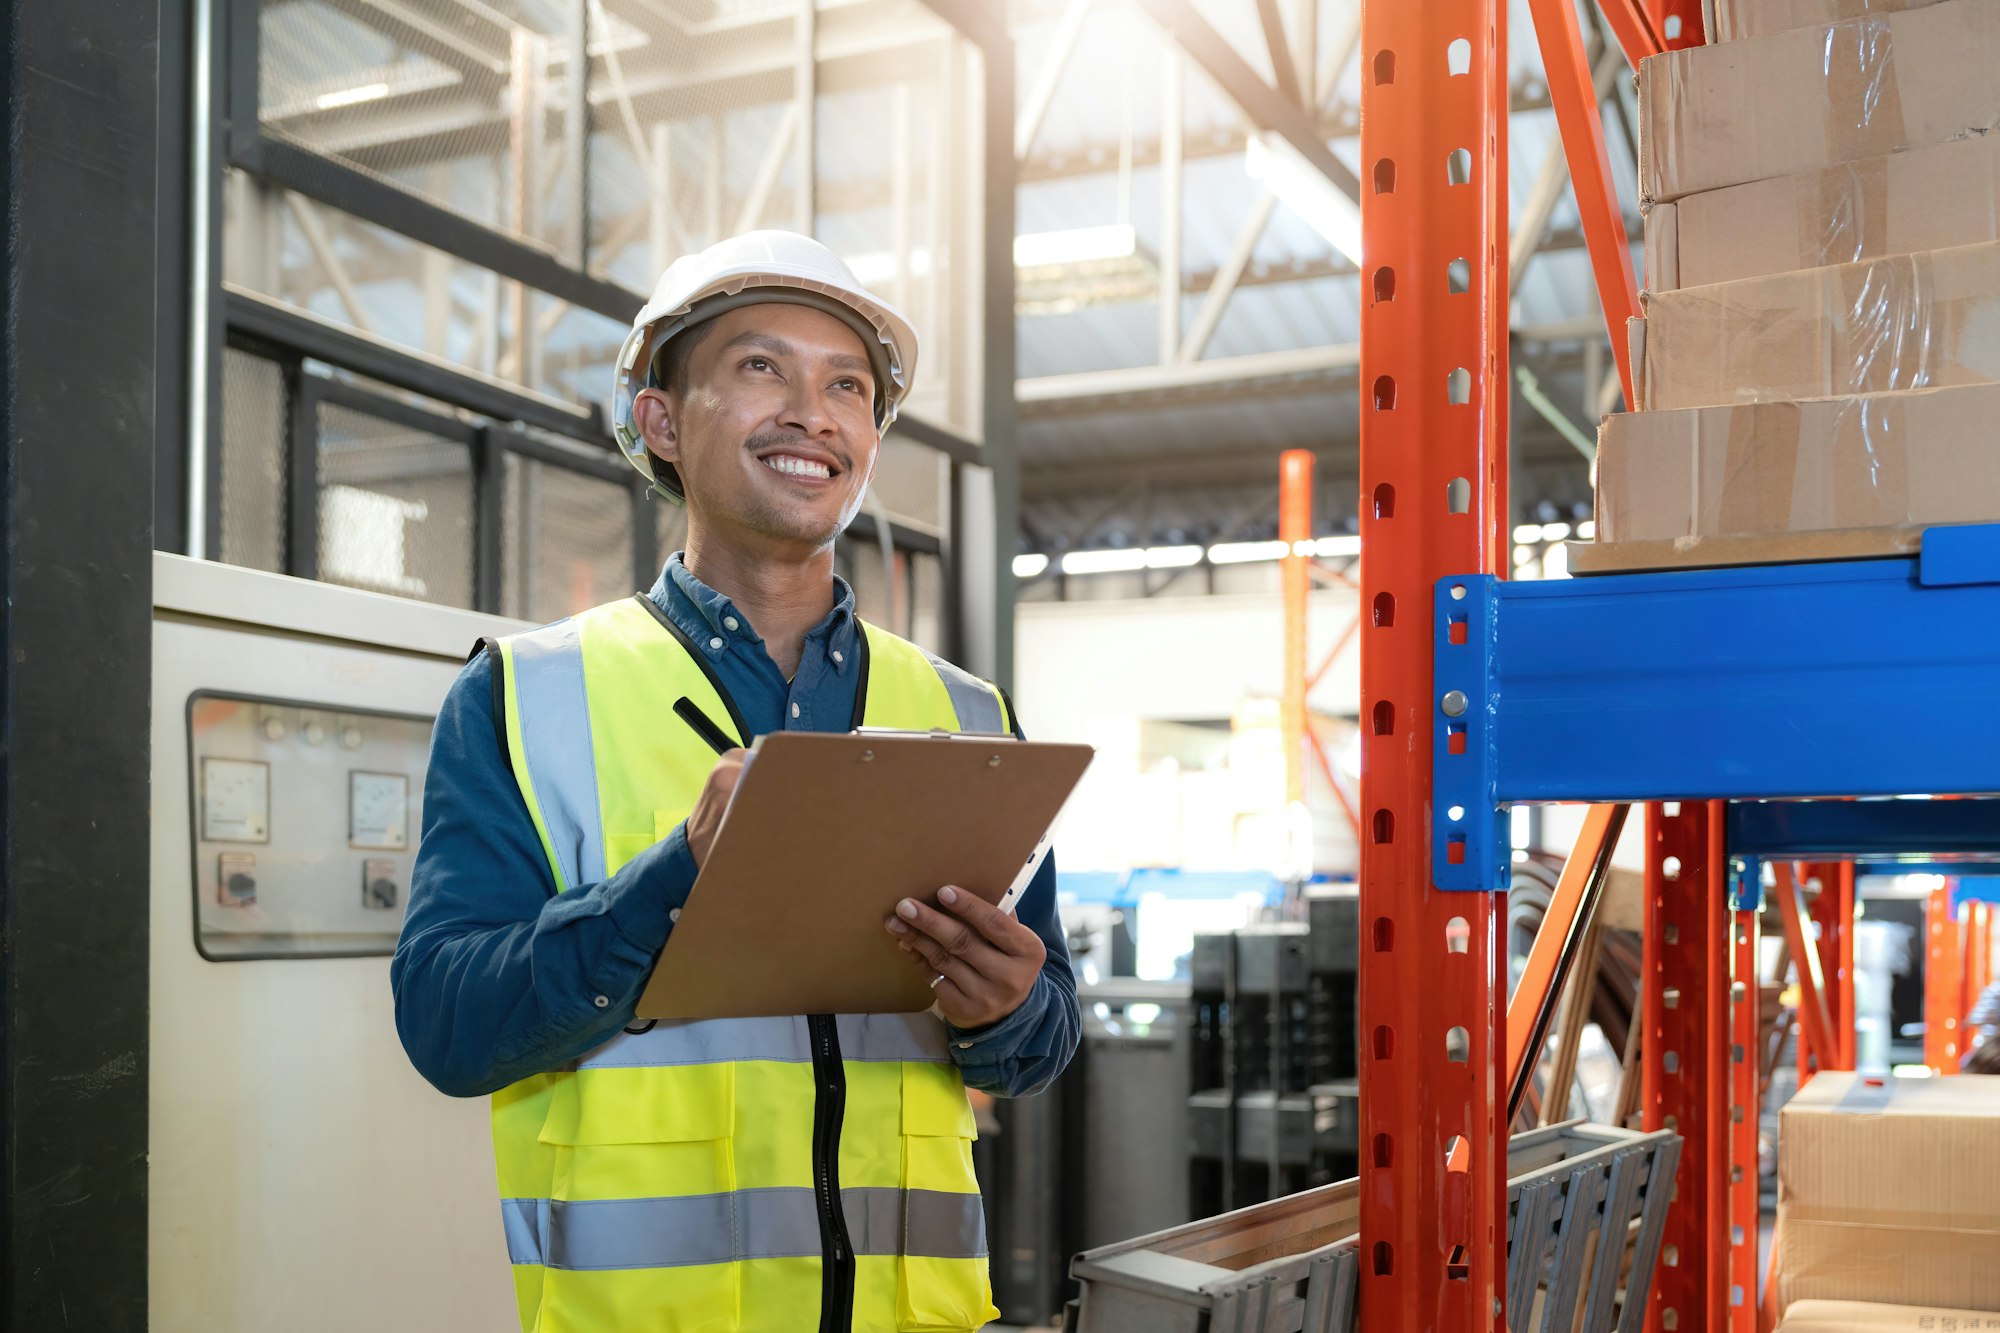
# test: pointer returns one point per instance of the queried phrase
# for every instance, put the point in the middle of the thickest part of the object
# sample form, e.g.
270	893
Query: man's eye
758	363
855	385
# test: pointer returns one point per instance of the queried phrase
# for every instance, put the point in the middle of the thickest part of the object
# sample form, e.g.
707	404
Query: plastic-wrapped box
1831	479
1732	20
1716	116
1926	199
1874	1317
1928	320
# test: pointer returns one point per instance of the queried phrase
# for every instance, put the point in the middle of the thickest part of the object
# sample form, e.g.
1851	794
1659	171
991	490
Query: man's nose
807	409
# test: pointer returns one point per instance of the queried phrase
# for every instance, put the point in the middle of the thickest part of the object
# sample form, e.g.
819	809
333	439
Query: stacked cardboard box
1889	1192
1872	1317
1817	367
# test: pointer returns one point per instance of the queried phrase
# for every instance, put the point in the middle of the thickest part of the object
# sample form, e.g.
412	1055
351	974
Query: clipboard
825	834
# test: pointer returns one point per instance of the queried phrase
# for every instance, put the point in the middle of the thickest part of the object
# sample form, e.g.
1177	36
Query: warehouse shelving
1688	691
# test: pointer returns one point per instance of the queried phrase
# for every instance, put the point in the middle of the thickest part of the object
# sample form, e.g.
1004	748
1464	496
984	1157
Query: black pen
707	730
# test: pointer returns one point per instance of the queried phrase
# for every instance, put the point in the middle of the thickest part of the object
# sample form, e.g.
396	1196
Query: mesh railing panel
395	508
566	541
255	406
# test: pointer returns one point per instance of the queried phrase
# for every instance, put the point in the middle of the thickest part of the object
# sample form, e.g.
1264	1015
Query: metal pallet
1291	1265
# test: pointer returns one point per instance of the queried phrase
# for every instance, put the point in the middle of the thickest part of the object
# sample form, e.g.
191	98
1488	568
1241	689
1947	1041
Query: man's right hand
706	819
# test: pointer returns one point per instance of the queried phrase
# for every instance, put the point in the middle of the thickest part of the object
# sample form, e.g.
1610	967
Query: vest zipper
836	1302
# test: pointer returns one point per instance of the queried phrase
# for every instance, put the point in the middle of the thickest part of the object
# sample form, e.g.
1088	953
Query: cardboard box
1871	1317
1889	1190
1928	320
1716	116
1733	20
1832	479
1926	199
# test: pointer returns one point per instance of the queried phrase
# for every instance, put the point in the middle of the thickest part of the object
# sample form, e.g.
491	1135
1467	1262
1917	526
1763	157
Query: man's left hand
984	961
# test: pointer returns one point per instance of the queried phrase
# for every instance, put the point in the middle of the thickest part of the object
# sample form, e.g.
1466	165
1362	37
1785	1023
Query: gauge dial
236	800
378	805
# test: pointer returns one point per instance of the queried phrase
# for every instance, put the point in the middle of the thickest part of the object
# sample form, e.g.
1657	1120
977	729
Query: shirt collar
707	616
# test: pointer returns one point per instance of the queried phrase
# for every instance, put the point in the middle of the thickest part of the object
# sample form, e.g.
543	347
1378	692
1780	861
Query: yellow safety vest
723	1175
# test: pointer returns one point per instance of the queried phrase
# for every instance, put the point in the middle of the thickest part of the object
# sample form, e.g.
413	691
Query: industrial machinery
303	1176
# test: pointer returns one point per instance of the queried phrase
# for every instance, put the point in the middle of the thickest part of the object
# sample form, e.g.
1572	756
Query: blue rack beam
1859	678
1917	833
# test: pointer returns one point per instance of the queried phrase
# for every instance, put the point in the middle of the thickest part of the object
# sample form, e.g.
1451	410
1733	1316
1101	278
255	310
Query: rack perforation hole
1385	67
1385	935
1457	935
1385	1043
1385	176
1670	868
1671	1062
1385	718
1673	27
1670	809
1458	56
1457	1045
1455	631
1385	394
1385	827
1458	1155
1454	849
1458	167
1670	1319
1385	1151
1454	738
1385	610
1458	387
1385	1258
1385	283
1385	501
1457	277
1458	496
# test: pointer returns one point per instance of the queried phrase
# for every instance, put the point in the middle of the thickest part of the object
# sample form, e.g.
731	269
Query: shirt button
715	642
674	915
729	623
795	710
602	1002
965	1046
837	658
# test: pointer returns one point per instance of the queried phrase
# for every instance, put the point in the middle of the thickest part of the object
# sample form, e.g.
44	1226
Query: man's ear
654	416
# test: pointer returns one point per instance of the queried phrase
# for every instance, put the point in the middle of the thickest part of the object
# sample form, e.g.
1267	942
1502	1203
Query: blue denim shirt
497	976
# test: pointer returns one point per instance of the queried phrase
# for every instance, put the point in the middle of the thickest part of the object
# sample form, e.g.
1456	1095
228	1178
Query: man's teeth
797	467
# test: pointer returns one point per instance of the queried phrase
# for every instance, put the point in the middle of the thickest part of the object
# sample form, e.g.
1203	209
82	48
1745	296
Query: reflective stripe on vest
916	1037
741	1225
665	1179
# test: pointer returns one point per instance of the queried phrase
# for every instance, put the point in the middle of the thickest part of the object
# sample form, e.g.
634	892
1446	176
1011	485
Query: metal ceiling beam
1050	78
1138	381
1282	68
1264	105
1094	159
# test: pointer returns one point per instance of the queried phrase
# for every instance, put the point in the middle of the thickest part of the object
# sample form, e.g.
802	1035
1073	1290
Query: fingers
999	928
942	940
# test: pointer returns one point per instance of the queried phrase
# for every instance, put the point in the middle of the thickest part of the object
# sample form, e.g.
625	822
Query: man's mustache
757	444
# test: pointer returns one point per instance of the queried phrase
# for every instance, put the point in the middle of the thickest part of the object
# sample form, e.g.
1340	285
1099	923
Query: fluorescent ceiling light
1242	553
1104	562
1172	557
1328	547
1528	532
1555	532
1587	530
367	92
1028	566
1284	171
1079	245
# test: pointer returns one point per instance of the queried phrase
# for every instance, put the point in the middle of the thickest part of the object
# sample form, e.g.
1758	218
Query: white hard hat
753	269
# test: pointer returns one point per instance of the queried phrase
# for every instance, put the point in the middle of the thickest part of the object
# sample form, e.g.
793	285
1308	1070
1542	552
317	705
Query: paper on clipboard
824	835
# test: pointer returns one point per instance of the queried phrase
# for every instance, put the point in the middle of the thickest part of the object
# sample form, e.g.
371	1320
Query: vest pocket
942	1279
621	848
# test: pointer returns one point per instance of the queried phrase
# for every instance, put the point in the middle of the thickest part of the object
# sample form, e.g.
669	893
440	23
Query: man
747	1174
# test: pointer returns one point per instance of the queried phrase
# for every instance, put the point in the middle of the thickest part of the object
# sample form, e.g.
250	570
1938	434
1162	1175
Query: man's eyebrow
771	343
776	346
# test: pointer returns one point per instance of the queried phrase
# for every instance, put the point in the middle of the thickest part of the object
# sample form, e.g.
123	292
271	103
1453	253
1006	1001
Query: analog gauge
235	800
378	810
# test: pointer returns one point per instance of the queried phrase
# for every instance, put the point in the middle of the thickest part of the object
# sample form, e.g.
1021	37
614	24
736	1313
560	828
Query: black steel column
77	414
